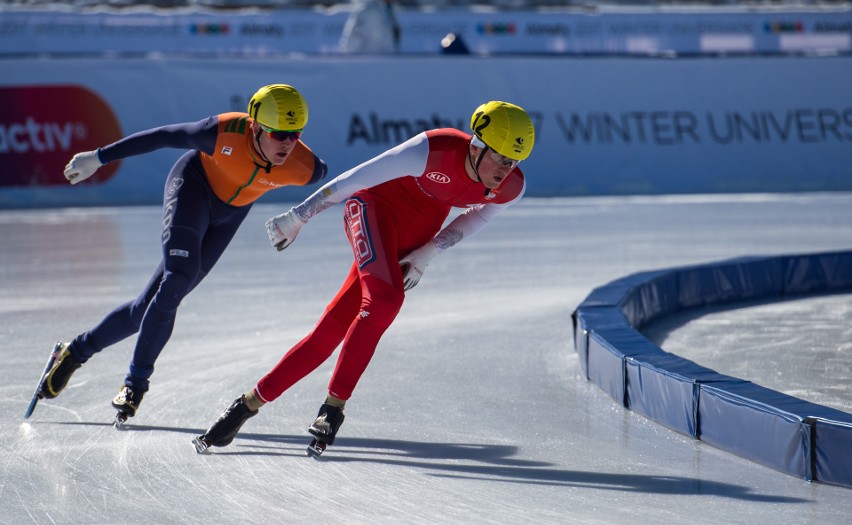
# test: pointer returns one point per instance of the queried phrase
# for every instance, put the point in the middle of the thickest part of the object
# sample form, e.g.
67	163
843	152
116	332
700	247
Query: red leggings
365	306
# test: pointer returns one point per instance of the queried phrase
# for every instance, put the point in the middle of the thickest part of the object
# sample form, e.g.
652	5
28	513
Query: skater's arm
406	159
469	222
199	135
466	224
409	158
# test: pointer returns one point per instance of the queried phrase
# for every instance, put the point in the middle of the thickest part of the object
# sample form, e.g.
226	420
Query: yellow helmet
279	106
505	128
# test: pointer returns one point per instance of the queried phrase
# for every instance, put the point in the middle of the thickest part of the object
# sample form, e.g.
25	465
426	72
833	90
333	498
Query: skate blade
38	396
39	393
120	421
201	447
315	449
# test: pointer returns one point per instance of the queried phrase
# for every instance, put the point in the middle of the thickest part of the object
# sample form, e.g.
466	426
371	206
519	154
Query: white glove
82	166
283	229
414	264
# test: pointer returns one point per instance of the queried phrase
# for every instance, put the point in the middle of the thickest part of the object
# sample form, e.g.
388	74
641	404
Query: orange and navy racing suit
208	193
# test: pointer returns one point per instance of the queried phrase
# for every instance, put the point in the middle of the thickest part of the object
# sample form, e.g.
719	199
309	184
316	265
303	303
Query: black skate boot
225	429
60	372
127	403
324	429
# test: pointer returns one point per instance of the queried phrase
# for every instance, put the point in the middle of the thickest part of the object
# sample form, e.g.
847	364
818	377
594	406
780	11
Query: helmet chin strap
257	143
260	152
475	165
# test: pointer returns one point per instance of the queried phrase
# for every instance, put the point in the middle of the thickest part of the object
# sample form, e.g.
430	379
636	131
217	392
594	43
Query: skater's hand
82	166
414	264
283	229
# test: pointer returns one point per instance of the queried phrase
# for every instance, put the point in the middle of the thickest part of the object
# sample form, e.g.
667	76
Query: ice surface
801	347
474	409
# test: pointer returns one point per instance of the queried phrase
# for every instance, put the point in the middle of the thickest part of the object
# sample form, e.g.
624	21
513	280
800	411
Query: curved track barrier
779	431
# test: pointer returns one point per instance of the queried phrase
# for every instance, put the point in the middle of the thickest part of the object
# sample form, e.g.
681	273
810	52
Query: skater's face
275	145
493	167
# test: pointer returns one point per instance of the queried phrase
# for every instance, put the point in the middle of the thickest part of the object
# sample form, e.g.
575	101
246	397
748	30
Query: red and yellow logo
42	127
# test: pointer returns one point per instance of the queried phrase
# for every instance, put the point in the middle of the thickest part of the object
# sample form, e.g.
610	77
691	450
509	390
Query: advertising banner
609	126
40	124
648	31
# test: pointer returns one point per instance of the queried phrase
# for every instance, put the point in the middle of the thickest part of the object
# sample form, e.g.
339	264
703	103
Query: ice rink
474	408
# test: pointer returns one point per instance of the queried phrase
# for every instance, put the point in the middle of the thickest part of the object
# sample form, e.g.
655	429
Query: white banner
637	32
612	126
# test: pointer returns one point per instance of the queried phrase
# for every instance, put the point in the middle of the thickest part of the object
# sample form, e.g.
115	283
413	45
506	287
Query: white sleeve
471	221
408	158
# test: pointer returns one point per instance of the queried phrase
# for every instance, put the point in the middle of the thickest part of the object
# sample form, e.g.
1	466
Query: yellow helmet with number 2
279	107
505	128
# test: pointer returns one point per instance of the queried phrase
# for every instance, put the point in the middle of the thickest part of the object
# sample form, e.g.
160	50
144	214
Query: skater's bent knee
173	289
381	299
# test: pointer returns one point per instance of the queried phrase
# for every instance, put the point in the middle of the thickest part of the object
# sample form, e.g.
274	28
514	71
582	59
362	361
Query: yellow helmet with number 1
505	128
279	107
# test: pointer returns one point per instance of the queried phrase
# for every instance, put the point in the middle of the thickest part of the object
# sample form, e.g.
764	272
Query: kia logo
440	178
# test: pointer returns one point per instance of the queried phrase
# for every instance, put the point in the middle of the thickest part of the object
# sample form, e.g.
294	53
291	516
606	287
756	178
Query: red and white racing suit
394	204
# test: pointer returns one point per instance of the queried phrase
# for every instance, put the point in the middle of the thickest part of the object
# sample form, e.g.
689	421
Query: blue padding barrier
600	318
782	432
833	454
606	367
652	299
760	424
664	387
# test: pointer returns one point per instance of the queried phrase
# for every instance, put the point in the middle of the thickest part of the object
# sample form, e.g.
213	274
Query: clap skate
324	429
225	429
126	403
60	365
